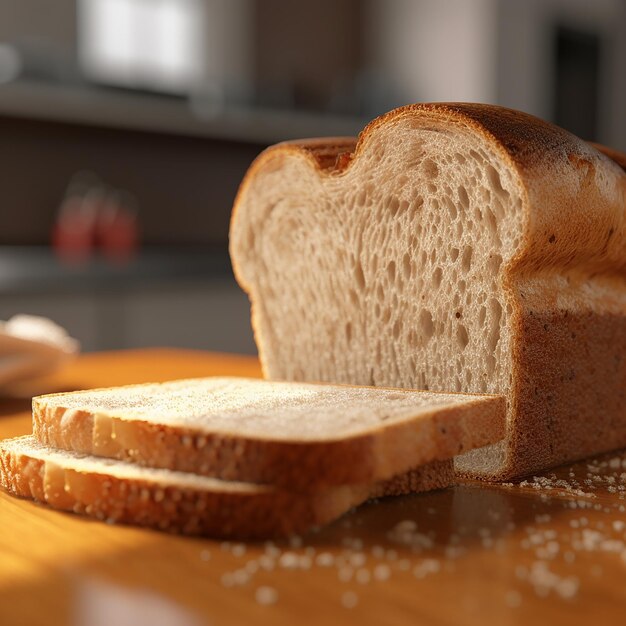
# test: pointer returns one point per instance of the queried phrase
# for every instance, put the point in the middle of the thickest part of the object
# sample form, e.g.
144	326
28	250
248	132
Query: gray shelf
121	109
36	269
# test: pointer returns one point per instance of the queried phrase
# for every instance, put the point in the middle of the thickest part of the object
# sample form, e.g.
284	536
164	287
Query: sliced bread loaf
460	247
118	491
298	436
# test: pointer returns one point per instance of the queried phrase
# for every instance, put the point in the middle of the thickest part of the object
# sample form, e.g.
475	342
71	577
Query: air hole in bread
393	204
380	293
466	261
491	221
495	318
391	271
348	329
406	265
426	324
418	202
463	197
430	169
452	210
359	276
496	182
437	276
462	337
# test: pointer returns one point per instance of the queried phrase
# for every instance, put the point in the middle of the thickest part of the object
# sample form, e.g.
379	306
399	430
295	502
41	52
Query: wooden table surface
551	550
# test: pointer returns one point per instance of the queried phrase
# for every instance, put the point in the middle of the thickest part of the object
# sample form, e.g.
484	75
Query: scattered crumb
416	548
289	560
513	599
363	576
325	559
267	562
266	595
357	559
349	599
378	552
239	549
382	572
345	574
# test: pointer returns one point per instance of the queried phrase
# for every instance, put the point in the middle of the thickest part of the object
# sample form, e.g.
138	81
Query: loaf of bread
180	502
296	436
453	247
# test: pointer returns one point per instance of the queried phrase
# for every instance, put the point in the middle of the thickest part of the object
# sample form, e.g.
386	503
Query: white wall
434	50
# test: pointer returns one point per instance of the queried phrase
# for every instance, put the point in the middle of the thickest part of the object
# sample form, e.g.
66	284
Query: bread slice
453	247
298	436
122	492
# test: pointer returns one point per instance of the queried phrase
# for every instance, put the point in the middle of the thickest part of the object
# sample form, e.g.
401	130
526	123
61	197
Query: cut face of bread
116	491
453	248
299	436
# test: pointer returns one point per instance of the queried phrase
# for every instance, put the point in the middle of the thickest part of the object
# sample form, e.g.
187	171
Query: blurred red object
117	228
94	217
74	230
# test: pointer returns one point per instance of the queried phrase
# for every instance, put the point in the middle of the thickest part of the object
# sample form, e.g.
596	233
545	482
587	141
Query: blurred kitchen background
126	126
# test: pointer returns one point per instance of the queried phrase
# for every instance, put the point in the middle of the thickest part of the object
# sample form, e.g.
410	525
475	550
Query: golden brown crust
333	154
235	514
615	155
574	240
251	514
305	466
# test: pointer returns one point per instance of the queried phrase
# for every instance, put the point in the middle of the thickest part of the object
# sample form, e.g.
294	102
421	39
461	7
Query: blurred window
144	44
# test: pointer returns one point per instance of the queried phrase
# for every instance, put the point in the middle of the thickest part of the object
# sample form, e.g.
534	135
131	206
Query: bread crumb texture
464	247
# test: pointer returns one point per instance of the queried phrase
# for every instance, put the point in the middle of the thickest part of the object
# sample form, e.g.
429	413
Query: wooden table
542	552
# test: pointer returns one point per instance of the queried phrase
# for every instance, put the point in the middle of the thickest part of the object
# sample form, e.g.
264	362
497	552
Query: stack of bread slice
237	457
